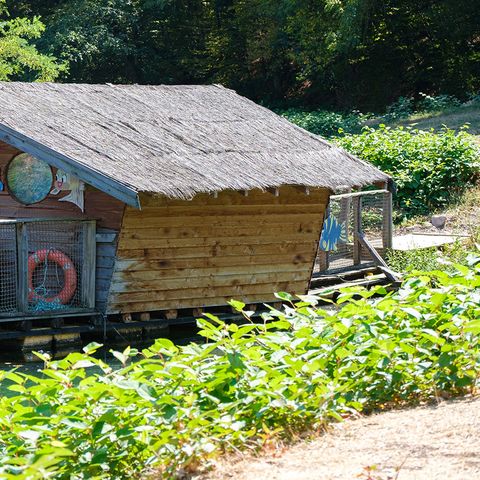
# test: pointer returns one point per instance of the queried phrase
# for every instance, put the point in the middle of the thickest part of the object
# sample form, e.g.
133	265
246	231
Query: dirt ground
461	219
423	443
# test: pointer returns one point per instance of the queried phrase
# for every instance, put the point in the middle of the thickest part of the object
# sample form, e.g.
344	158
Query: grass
454	118
464	215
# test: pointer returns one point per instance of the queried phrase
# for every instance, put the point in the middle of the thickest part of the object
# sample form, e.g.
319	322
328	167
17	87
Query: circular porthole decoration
29	180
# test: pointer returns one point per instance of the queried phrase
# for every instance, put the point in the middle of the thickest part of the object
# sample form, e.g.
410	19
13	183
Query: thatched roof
171	140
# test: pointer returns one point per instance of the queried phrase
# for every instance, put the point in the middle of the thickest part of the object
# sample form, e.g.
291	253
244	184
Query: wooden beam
362	193
357	230
89	175
171	314
274	191
303	189
244	193
387	231
22	267
390	274
105	237
89	265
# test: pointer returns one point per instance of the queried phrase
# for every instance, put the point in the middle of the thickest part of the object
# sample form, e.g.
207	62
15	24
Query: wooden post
323	255
171	314
322	258
357	230
22	267
345	204
387	231
88	267
378	260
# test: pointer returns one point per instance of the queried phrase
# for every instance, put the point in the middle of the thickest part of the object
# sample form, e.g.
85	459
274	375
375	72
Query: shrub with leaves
323	122
430	169
435	103
171	407
403	107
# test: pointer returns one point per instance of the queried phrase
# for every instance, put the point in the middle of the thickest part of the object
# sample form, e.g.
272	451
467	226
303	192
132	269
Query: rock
439	221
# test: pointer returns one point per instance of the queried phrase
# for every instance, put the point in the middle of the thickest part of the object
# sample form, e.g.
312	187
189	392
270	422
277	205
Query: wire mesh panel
46	267
60	265
55	266
336	243
366	212
8	269
374	209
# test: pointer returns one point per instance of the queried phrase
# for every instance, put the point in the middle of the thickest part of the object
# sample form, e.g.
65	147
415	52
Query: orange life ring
69	272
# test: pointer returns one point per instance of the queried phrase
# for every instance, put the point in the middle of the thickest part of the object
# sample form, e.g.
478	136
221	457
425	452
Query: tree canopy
19	57
343	53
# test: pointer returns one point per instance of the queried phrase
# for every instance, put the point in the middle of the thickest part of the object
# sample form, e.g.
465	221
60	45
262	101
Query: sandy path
428	443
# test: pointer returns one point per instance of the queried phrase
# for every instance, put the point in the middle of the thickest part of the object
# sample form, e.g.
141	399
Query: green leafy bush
435	103
403	107
427	259
325	123
430	169
176	406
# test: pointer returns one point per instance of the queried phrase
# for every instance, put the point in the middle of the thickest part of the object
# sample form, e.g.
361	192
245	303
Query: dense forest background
341	54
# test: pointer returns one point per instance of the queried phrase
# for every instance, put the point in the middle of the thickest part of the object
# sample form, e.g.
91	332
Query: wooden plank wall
106	253
180	254
106	210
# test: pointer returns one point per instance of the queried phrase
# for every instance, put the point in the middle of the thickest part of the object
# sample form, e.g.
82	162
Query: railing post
22	266
323	255
344	215
357	228
387	221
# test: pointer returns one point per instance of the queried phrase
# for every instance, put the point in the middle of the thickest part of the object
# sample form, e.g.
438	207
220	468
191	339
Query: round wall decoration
29	180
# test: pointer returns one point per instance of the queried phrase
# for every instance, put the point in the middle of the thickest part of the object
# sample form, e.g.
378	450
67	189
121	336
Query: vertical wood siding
203	252
106	252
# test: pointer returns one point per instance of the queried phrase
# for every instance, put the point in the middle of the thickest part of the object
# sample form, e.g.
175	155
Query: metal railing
47	267
354	223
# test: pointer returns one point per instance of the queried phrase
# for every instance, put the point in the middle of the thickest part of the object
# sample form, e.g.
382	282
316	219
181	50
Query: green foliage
414	260
19	58
172	407
401	108
427	259
435	103
343	54
325	123
430	169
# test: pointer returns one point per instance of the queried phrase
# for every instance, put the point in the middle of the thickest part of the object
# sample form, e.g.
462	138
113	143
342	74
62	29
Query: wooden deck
418	241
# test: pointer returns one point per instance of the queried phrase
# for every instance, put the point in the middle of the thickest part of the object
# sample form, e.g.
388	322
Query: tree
339	53
19	57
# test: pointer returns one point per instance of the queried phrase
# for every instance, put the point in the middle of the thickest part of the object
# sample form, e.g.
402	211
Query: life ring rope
69	273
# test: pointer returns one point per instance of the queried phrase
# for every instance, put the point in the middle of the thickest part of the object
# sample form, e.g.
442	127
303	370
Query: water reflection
26	361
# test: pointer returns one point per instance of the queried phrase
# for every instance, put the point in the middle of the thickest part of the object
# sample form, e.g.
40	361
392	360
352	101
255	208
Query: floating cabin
118	200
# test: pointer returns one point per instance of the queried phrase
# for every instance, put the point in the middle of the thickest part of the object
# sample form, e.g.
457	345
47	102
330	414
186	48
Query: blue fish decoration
333	232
